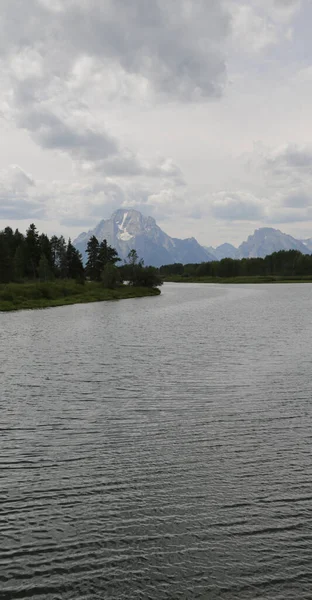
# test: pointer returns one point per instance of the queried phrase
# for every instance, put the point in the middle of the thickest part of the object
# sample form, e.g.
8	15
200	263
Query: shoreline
31	296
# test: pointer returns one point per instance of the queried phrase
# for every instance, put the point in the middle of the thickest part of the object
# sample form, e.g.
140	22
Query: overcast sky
197	112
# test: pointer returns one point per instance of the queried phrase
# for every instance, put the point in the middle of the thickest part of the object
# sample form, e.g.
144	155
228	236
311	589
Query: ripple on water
158	448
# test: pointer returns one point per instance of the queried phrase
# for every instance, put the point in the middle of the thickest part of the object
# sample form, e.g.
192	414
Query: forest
36	257
37	272
284	265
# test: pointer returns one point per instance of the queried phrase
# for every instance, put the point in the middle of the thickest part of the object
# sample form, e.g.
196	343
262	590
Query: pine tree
32	251
93	270
6	263
59	259
75	268
45	272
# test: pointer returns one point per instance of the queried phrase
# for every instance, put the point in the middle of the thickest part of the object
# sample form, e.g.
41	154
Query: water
158	448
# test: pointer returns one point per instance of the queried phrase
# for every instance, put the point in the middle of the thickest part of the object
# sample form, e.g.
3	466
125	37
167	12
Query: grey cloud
298	199
237	207
176	45
291	156
19	209
286	4
128	164
16	201
49	131
290	216
99	151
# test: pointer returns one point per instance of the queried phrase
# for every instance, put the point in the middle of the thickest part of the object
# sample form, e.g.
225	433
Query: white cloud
261	24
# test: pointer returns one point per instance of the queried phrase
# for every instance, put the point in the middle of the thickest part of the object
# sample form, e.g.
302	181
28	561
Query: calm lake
159	448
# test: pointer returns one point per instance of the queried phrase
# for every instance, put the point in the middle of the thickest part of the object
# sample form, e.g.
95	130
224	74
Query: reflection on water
158	448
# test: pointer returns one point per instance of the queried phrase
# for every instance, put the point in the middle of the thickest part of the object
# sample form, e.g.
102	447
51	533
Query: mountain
267	240
262	242
127	229
308	244
224	251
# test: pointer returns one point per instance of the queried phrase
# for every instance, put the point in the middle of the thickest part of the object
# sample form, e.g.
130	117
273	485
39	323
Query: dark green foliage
99	256
59	250
16	296
36	257
137	275
45	272
32	252
6	261
285	264
93	270
111	276
74	266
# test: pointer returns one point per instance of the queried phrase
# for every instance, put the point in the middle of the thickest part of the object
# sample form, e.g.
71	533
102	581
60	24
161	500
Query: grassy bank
246	279
17	296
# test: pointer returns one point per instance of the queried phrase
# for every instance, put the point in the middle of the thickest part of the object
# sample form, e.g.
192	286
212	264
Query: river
158	448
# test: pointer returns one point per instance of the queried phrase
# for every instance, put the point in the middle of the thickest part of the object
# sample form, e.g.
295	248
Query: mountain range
128	229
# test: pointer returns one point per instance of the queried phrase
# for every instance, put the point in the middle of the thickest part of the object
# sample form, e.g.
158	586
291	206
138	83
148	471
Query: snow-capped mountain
128	229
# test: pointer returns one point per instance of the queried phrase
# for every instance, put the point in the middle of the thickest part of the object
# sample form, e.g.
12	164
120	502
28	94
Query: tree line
285	263
36	257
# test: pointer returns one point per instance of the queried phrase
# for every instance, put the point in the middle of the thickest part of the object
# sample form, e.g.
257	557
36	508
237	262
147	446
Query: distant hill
267	240
224	251
127	229
262	242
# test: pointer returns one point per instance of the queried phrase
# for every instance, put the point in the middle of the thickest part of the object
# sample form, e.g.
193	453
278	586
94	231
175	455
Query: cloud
290	157
16	195
298	199
258	25
81	203
58	63
51	132
175	46
237	206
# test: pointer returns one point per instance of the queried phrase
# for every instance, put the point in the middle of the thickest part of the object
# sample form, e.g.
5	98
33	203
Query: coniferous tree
45	272
32	251
58	251
75	268
107	254
93	270
19	262
6	262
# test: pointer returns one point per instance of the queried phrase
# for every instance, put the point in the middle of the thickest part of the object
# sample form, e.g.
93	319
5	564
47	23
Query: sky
195	112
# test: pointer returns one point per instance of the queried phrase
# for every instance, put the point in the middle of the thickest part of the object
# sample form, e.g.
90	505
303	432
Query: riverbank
251	279
18	296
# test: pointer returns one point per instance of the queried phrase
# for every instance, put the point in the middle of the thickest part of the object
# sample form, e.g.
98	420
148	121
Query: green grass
17	296
242	279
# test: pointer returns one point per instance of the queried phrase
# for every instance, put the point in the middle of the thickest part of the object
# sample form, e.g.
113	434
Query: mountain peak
128	228
267	240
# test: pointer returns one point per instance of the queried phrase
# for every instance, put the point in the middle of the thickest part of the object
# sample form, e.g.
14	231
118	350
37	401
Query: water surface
158	448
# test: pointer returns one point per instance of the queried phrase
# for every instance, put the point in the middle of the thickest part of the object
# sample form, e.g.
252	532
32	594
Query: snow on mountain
128	229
